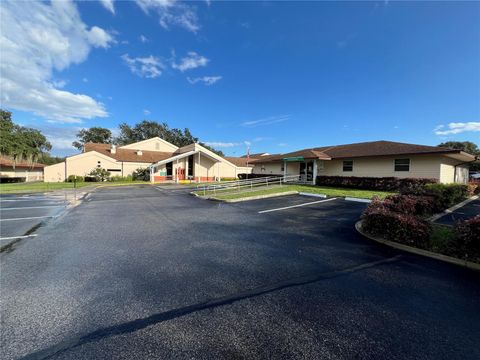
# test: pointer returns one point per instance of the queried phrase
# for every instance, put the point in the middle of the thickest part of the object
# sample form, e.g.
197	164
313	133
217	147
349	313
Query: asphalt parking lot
144	272
465	212
21	215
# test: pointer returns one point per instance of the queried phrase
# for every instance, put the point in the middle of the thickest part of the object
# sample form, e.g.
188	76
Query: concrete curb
323	196
453	208
413	250
256	197
362	200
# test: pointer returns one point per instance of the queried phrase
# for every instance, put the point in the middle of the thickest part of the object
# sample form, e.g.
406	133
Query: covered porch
195	166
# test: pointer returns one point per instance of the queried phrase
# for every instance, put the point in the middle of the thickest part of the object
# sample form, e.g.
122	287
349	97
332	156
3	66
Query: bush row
467	244
374	183
380	220
444	195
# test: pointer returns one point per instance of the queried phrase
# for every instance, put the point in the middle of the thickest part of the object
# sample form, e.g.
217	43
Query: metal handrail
248	183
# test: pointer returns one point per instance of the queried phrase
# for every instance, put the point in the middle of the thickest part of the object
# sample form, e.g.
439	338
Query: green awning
296	158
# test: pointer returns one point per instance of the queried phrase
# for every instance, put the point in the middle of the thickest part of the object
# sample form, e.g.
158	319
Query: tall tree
19	142
148	129
97	135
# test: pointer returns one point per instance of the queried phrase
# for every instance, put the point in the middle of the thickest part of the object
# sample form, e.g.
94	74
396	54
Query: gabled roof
156	138
364	149
239	161
257	155
127	155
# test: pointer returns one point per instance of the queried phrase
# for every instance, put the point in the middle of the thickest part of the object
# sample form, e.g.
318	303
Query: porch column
199	172
176	173
151	175
314	171
284	170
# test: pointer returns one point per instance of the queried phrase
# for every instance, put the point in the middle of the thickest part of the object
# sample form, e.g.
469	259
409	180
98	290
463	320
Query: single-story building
166	161
370	159
20	171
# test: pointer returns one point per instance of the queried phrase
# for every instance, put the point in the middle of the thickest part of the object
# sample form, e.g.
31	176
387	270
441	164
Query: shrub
473	188
410	204
467	242
374	183
99	174
378	220
141	174
119	178
76	178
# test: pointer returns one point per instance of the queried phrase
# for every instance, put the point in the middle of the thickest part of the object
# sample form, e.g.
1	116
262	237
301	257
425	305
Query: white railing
245	185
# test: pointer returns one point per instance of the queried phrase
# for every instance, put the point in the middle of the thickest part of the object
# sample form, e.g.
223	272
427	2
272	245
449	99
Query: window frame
343	166
395	164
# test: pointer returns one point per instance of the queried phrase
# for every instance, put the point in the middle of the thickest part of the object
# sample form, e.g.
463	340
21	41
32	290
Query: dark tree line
141	131
21	143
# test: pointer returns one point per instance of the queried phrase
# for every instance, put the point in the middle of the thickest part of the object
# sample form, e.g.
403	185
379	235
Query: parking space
20	215
468	211
142	270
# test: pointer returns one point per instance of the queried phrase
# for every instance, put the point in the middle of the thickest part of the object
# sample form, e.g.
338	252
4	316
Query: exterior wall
28	174
421	166
54	173
154	144
82	164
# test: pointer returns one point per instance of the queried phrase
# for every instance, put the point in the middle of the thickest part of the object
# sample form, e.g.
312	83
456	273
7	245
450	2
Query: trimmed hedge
467	242
374	183
411	205
77	178
446	195
379	220
254	176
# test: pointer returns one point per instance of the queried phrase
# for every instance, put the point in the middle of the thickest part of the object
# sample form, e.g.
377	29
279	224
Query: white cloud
108	4
266	121
207	80
457	127
143	38
146	112
191	61
37	38
85	80
171	13
148	67
99	37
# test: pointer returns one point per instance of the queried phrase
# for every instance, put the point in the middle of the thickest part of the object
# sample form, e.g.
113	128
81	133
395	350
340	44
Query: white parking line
14	200
294	206
33	207
18	237
28	218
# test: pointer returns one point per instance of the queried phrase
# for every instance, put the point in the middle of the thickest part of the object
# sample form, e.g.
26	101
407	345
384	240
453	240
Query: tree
148	129
466	146
97	135
99	174
19	142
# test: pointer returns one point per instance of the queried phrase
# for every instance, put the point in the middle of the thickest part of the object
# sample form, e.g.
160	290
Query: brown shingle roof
365	149
128	155
7	162
238	161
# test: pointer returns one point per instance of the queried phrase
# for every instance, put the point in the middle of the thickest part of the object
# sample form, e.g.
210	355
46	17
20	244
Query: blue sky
277	75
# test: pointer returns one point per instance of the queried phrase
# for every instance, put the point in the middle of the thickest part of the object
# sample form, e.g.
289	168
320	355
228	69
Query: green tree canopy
97	135
148	129
19	142
466	146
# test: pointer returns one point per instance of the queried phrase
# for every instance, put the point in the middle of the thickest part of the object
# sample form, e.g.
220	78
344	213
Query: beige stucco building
166	161
370	159
20	171
194	162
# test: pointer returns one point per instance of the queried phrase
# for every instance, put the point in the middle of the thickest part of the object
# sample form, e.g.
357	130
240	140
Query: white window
347	165
402	164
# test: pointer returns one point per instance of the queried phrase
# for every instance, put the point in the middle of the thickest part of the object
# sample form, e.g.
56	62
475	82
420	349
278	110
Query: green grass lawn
19	188
329	191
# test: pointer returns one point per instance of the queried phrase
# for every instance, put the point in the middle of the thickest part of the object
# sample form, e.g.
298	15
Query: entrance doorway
306	171
169	167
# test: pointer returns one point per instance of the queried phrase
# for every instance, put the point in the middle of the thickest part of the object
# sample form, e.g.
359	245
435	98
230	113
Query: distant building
21	171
